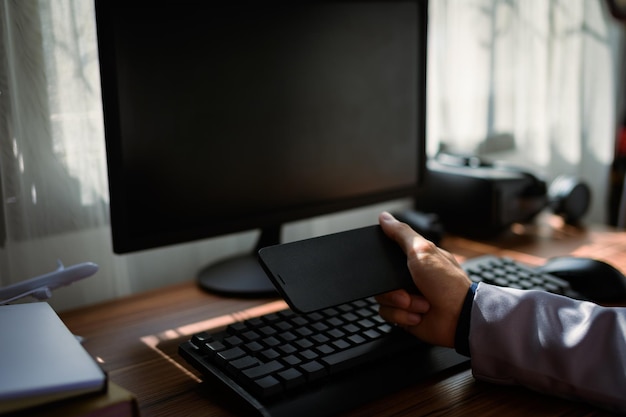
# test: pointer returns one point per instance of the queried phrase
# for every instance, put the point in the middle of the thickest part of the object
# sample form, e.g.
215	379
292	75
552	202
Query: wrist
461	336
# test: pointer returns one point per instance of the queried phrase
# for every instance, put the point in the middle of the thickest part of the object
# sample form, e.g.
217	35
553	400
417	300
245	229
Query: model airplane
41	287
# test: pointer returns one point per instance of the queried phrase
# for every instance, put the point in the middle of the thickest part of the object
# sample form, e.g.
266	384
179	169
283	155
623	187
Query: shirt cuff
461	337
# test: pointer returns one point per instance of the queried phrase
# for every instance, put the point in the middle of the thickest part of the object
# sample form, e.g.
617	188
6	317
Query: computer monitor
222	117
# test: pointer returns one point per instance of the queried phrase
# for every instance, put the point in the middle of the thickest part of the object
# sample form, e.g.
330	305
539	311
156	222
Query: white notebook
41	360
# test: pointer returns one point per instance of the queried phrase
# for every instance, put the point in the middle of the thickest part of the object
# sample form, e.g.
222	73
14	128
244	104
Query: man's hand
433	315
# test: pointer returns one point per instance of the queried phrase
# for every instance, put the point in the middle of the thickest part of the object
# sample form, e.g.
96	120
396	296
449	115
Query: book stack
44	370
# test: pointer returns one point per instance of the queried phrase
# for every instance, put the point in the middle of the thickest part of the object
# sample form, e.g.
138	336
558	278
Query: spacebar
362	353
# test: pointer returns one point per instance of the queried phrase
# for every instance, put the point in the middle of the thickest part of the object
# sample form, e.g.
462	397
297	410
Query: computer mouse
593	278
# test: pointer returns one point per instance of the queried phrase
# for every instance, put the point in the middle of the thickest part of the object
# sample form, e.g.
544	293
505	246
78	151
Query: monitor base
241	276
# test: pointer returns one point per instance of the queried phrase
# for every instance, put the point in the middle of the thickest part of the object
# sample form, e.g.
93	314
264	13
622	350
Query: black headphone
569	197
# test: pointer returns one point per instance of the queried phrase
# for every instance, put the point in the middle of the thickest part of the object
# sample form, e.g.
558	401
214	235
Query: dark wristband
461	336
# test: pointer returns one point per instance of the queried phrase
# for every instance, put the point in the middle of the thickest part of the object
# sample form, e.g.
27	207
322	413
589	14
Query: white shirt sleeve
549	343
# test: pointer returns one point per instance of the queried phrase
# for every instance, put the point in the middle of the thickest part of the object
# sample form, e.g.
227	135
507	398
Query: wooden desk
136	338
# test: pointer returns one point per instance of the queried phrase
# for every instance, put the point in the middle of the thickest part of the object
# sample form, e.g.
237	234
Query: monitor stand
242	275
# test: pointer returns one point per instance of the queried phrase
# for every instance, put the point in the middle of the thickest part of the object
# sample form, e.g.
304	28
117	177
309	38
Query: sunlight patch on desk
227	319
215	322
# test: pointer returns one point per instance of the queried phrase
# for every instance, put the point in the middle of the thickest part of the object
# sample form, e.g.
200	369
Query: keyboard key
503	282
269	354
292	360
304	331
243	363
250	335
233	341
271	341
372	334
287	349
320	338
238	327
304	343
211	348
299	321
265	387
313	370
253	347
351	328
349	317
268	330
228	355
263	369
283	325
325	349
291	377
335	322
319	326
356	355
366	323
201	338
254	322
340	344
356	339
288	336
336	333
309	354
330	312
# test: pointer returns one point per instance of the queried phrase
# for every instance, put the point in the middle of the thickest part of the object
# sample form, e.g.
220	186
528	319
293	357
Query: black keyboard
506	272
322	363
316	364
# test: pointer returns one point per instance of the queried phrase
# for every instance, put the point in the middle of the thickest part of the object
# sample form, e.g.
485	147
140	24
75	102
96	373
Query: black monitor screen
221	118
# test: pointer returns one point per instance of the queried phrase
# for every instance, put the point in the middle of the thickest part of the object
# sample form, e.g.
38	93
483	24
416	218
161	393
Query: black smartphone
326	271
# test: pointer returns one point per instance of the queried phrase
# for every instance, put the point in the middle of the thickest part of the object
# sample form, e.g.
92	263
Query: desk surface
136	338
